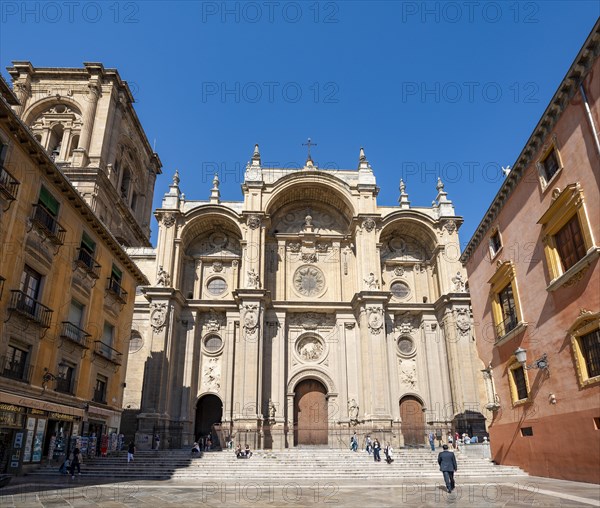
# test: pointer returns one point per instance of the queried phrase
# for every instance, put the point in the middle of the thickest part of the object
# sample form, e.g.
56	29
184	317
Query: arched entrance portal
310	413
413	421
209	411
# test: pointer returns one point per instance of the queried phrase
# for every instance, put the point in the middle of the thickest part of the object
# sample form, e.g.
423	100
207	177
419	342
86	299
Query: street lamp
540	363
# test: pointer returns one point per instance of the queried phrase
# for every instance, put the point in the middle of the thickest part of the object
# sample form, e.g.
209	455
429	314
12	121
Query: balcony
17	370
75	334
508	324
47	224
64	386
86	261
8	184
29	308
114	287
105	351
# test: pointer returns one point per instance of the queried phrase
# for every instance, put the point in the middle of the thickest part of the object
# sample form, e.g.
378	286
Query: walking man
447	462
432	441
376	450
130	452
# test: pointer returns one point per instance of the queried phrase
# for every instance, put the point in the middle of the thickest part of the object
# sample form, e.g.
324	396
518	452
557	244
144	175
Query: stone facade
85	119
302	314
534	278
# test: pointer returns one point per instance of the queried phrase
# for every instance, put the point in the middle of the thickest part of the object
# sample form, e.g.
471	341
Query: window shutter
48	201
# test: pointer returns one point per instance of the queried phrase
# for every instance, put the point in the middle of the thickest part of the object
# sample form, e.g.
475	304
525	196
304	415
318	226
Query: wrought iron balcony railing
88	263
508	324
48	224
8	184
113	286
104	350
63	385
74	334
30	308
12	369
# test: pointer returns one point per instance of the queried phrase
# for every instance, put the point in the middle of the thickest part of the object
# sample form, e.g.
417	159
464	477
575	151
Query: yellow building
66	302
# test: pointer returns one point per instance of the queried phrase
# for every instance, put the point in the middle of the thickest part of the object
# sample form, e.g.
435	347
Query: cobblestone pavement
533	491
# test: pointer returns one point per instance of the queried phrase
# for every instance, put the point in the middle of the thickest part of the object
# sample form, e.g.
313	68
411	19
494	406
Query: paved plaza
529	491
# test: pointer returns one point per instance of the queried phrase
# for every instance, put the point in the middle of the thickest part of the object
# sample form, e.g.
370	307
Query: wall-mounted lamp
48	376
540	363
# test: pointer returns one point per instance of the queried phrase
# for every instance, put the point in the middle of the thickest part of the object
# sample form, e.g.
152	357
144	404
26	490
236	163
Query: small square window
526	431
550	165
495	243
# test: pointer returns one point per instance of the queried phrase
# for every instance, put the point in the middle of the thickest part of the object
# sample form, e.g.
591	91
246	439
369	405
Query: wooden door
413	421
310	413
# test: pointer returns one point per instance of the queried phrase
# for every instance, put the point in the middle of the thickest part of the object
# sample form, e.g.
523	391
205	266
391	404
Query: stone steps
306	464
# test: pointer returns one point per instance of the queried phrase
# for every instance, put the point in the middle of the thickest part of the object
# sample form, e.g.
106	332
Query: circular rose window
213	344
400	290
309	280
216	286
406	345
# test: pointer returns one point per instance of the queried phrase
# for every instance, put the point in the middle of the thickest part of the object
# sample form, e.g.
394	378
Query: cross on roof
309	143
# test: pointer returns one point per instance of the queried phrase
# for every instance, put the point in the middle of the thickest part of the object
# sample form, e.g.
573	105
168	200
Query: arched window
55	141
74	144
125	183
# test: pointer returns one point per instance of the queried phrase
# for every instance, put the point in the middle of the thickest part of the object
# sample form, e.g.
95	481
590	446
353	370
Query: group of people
73	462
246	453
374	447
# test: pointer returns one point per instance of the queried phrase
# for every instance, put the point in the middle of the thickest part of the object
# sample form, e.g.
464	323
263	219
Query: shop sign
34	411
10	407
61	416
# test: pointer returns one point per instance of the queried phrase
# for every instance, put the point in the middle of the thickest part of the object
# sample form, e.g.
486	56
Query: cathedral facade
302	314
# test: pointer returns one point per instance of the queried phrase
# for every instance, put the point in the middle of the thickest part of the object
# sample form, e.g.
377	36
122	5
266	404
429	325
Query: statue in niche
371	282
253	279
162	277
353	411
272	410
459	283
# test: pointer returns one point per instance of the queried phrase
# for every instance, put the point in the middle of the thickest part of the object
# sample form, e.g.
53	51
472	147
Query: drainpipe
590	119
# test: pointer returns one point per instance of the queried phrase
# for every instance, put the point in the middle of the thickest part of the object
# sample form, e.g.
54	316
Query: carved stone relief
309	281
311	320
211	376
158	316
250	319
408	372
310	349
375	319
463	322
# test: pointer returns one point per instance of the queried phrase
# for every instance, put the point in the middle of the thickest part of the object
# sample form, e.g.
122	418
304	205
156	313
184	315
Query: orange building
534	278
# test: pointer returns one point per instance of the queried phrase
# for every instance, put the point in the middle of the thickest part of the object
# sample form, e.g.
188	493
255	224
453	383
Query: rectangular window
520	383
570	244
495	243
66	376
100	389
133	201
48	201
116	274
550	165
107	334
590	349
30	282
88	244
76	313
507	305
15	362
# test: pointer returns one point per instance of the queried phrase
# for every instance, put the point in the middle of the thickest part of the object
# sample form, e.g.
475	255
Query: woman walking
376	449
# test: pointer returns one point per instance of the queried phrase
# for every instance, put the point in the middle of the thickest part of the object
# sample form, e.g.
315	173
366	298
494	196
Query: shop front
34	431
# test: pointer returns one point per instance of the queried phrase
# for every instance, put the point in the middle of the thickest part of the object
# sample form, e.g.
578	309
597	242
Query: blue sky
450	89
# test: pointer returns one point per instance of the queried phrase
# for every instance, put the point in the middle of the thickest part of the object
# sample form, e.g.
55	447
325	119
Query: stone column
190	356
197	291
89	115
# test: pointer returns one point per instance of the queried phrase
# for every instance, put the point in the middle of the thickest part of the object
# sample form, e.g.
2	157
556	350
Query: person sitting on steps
196	450
247	452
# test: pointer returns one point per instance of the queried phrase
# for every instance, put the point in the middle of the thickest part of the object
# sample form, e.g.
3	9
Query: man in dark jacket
447	462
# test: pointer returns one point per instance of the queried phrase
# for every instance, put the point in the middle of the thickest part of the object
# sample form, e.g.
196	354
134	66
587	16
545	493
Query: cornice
566	90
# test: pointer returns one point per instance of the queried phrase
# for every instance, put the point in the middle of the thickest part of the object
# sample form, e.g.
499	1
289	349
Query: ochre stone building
67	290
302	314
535	286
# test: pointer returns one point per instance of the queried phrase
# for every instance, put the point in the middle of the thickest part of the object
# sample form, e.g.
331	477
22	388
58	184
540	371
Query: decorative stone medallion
309	281
158	316
253	221
375	319
310	348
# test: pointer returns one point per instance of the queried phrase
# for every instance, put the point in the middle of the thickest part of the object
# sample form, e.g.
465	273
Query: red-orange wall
565	442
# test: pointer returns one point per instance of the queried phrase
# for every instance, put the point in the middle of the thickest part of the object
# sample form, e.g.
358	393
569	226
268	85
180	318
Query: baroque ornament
217	266
463	322
294	246
309	280
368	225
254	221
408	372
312	320
158	316
168	219
459	283
450	226
375	319
250	319
310	349
371	282
162	277
213	322
399	271
309	257
212	375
